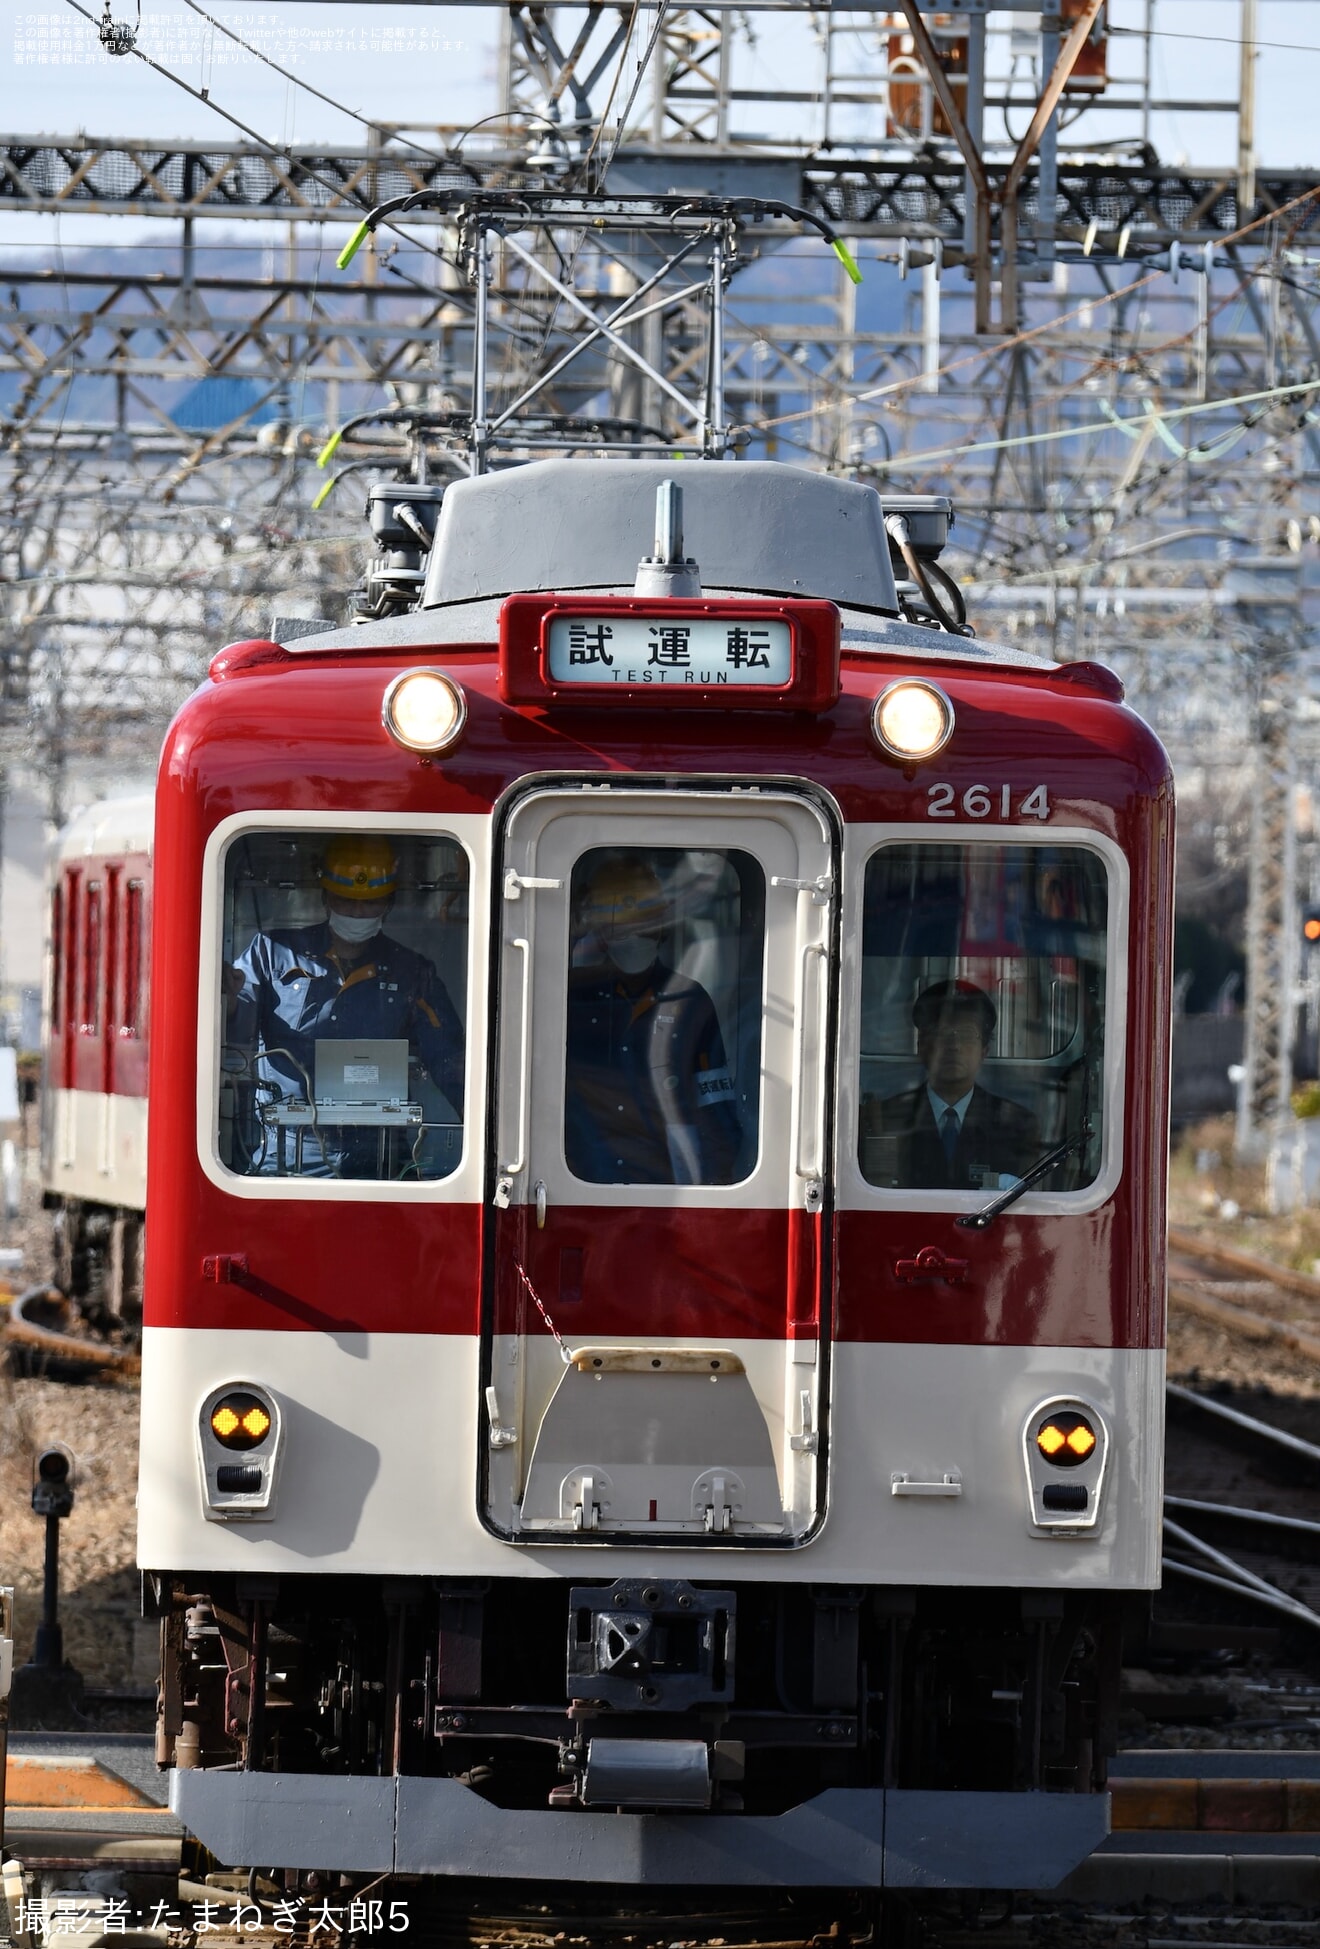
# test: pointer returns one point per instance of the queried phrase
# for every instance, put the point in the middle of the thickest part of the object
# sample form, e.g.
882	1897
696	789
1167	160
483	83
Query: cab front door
654	1320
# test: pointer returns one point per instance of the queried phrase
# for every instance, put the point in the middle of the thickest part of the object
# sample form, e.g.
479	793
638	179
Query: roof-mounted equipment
918	529
667	571
403	515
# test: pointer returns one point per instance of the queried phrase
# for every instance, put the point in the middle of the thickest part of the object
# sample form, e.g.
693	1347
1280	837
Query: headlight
912	719
424	711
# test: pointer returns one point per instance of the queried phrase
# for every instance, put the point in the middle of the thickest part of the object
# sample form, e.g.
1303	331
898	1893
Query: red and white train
653	1325
94	1130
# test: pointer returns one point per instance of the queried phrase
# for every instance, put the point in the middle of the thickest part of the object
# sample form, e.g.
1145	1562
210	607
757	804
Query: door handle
948	1482
518	1162
821	888
516	884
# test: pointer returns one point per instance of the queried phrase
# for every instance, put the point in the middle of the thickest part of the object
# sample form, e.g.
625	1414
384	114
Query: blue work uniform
296	990
649	1098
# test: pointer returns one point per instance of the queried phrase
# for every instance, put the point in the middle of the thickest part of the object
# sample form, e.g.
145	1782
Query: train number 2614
981	801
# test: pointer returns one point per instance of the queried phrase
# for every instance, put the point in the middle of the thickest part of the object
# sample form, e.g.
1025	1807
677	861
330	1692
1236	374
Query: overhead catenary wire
1032	332
864	397
643	64
271	149
1218	40
1153	420
822	383
613	90
1111	423
380	128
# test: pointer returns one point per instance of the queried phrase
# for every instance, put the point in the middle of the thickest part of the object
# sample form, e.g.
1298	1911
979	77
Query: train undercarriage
98	1261
640	1694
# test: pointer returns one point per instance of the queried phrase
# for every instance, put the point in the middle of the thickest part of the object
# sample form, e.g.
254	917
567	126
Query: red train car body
701	1470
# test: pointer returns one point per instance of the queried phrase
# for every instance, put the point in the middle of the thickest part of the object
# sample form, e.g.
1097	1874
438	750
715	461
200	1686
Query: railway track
45	1334
1247	1295
1242	1465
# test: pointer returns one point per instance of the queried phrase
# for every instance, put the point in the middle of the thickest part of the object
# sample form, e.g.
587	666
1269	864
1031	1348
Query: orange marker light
1066	1439
240	1420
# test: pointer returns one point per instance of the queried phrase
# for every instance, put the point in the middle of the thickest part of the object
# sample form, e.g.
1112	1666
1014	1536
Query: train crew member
344	977
649	1097
949	1133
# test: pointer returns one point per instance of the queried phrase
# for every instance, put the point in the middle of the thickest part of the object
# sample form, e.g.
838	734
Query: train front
653	1359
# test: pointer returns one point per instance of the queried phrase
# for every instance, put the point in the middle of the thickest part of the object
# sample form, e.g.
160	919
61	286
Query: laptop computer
370	1071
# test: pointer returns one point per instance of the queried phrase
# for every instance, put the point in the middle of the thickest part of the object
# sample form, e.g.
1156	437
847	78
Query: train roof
753	527
583	524
112	826
864	633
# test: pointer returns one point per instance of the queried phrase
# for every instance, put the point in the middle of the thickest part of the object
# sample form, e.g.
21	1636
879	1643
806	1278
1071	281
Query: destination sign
631	650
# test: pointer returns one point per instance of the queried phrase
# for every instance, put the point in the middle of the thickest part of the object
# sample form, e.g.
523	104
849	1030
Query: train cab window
344	982
134	922
57	960
69	1011
90	1020
983	1016
663	1033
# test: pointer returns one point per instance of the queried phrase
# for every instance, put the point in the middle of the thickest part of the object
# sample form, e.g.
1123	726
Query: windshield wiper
976	1221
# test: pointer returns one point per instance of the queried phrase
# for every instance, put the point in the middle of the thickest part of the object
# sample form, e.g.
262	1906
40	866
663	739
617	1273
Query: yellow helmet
358	867
625	896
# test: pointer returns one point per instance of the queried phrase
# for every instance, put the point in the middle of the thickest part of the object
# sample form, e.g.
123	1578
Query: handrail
519	1161
813	950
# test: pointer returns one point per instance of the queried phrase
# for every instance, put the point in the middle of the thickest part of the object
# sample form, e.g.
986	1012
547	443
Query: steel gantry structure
1109	359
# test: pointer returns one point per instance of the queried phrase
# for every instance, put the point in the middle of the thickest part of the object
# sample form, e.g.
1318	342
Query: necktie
949	1132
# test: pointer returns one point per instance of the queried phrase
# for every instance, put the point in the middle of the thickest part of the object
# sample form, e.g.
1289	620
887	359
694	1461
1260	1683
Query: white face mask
631	953
356	928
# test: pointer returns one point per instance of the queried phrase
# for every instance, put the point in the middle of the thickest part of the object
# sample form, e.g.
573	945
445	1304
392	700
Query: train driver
344	977
949	1133
649	1097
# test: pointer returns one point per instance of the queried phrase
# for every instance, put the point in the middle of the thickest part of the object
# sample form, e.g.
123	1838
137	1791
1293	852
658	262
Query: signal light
1066	1439
1311	925
52	1481
240	1421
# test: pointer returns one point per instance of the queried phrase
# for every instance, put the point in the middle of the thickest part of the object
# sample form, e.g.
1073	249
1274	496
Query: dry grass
1206	1198
104	1636
1205	1184
99	1606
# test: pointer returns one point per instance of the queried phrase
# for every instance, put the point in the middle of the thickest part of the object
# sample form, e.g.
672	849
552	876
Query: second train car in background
94	1123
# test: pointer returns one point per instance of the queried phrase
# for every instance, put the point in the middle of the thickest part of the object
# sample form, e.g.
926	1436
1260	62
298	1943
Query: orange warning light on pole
1090	75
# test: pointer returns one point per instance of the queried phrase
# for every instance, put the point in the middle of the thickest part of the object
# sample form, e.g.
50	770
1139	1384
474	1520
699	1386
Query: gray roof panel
585	524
